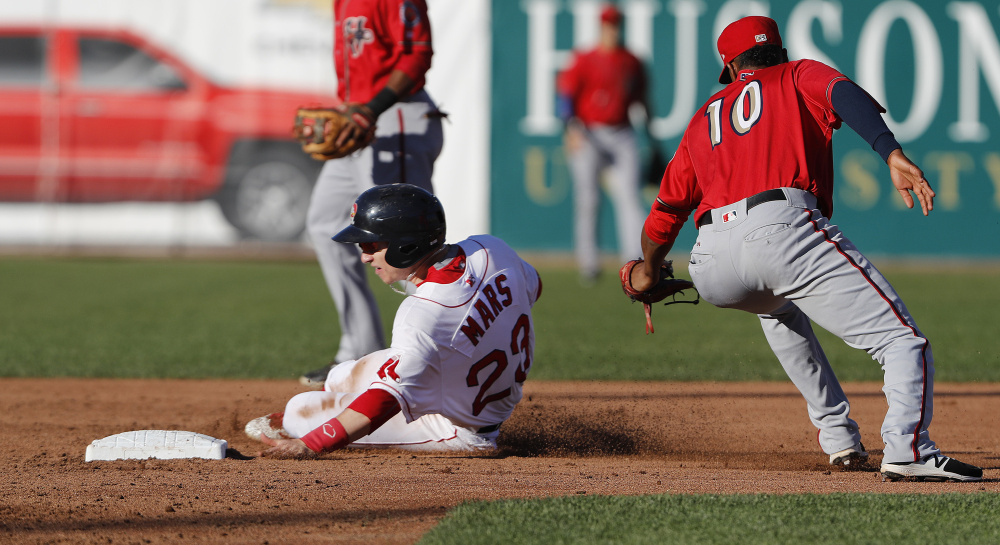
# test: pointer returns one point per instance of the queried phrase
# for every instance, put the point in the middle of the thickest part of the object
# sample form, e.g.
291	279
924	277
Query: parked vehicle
97	115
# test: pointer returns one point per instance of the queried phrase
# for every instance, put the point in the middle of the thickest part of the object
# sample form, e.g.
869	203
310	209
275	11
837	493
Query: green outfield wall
935	66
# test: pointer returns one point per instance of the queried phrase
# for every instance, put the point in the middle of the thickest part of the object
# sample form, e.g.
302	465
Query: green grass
836	519
198	319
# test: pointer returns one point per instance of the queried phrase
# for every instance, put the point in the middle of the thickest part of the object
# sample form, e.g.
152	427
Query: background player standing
594	96
461	344
382	50
755	167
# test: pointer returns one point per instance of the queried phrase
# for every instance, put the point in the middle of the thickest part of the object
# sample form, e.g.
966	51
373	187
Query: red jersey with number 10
374	37
770	128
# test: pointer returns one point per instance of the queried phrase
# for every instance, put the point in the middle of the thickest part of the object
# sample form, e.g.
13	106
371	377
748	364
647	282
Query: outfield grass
200	319
834	519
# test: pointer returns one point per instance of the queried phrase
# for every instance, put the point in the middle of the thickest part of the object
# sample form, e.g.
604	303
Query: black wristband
382	101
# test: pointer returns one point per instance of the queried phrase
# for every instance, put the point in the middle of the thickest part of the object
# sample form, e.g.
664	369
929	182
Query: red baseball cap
744	34
611	15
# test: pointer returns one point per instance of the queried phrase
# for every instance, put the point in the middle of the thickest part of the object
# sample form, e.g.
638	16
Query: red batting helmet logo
354	210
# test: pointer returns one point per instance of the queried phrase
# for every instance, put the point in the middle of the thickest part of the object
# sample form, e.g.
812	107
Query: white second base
161	444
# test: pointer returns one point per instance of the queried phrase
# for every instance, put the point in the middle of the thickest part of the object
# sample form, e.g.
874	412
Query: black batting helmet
408	218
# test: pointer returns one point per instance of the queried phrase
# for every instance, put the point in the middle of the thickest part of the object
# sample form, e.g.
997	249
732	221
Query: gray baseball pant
603	147
784	261
404	129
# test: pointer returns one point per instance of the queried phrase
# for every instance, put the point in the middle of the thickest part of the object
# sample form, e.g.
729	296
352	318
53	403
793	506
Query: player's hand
645	276
907	177
361	125
573	138
293	449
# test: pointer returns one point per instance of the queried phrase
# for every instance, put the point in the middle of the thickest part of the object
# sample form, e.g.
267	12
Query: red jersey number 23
520	344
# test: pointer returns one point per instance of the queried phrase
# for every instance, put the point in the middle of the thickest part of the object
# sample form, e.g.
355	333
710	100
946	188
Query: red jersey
371	38
772	127
603	84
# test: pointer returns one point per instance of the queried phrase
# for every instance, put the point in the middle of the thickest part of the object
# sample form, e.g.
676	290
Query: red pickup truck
97	115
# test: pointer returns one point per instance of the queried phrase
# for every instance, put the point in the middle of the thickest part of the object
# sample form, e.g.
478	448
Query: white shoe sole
925	471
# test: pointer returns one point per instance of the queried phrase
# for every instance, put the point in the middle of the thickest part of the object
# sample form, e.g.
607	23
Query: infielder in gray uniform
755	170
595	94
382	52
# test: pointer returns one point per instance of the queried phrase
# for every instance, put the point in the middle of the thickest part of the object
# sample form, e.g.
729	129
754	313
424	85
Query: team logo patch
356	35
388	369
409	15
329	431
760	38
354	210
729	216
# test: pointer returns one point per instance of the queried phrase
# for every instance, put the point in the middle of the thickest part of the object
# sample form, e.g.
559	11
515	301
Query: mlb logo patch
760	38
729	216
354	210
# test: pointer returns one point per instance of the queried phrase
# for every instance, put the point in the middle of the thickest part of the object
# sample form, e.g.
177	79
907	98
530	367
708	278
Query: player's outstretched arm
907	177
339	432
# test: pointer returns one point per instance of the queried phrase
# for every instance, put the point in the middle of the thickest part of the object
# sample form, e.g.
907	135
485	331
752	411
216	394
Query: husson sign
934	65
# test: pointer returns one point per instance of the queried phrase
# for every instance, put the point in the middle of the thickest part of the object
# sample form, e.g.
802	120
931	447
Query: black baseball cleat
317	377
853	456
932	468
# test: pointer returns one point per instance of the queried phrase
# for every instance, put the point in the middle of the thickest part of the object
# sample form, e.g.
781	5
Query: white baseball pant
346	381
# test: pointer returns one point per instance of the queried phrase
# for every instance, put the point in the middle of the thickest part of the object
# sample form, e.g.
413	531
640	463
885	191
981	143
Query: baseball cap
744	34
611	15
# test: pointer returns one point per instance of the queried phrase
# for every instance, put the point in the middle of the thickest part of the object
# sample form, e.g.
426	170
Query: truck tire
267	191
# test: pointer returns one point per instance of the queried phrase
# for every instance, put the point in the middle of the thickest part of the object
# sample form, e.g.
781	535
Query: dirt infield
564	439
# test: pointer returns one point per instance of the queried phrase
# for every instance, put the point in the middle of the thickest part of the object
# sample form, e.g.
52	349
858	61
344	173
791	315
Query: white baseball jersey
464	348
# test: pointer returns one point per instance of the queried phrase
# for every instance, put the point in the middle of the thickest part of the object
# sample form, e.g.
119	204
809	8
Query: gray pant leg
585	166
339	184
794	342
782	252
625	197
838	288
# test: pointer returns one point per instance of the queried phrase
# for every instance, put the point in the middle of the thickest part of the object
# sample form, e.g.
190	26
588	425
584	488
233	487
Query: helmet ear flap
402	256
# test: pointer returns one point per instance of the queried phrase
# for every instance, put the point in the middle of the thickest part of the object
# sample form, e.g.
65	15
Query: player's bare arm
862	114
653	254
354	423
907	177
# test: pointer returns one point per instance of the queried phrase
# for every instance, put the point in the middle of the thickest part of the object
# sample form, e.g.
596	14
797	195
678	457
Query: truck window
22	61
116	66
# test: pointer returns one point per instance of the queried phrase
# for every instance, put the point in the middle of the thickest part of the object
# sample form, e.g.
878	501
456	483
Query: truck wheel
266	196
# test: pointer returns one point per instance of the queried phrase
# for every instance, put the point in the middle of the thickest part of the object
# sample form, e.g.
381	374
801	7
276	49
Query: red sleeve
815	80
567	82
411	30
376	404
